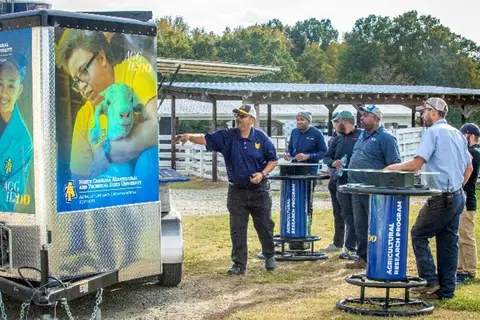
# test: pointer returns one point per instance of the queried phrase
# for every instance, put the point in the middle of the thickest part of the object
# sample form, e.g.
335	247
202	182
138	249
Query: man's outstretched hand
181	138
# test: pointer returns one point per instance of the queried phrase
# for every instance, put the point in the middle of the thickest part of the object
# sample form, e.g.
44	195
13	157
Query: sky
461	16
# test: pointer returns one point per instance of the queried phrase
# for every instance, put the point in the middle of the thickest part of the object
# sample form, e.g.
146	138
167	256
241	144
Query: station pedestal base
297	255
385	306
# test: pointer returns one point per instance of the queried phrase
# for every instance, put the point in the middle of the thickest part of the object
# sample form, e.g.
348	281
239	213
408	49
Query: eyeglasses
84	75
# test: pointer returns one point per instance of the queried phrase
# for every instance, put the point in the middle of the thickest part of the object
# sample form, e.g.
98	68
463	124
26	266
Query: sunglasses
239	115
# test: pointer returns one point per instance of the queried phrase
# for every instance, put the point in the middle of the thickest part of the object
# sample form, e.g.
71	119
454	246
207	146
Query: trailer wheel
172	275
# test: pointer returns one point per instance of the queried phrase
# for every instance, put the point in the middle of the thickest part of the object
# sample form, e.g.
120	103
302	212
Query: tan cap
435	103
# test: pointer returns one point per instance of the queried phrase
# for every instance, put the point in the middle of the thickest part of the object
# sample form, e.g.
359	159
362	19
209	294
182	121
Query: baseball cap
470	128
372	109
435	103
345	114
334	115
246	110
305	114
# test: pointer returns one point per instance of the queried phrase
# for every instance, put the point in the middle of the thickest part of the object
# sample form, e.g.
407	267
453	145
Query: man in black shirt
337	157
467	257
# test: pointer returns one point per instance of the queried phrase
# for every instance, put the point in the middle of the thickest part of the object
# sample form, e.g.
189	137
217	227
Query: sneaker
236	270
348	255
270	264
462	277
357	264
425	289
332	248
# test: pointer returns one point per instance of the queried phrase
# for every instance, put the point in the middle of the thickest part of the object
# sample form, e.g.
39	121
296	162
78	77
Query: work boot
436	295
270	264
425	289
357	264
236	270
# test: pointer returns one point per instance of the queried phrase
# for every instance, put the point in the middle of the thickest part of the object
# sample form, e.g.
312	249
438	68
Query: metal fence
194	160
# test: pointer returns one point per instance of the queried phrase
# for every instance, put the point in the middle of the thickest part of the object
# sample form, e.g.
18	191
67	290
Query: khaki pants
467	257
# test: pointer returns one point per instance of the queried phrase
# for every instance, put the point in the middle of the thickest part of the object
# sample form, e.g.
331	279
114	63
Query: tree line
410	49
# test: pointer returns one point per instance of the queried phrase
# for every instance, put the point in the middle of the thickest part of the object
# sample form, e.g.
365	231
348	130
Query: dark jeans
361	212
438	218
256	201
339	224
345	201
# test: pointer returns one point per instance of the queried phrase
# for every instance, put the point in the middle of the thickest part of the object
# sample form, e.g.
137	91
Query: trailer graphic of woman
16	148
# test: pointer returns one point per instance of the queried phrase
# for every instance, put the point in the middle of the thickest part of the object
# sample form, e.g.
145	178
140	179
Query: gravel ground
214	201
197	297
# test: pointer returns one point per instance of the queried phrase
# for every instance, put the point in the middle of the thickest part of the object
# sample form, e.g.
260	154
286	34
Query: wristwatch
106	150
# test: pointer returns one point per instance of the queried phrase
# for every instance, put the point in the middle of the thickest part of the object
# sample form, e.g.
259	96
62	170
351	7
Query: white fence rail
195	160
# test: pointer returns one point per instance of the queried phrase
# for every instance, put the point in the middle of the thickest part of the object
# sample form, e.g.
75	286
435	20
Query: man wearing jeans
375	148
442	149
341	147
467	255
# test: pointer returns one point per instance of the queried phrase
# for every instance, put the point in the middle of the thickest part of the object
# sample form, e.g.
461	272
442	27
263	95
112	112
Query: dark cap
471	128
345	114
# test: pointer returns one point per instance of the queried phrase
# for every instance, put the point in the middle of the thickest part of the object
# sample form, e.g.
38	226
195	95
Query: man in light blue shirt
442	149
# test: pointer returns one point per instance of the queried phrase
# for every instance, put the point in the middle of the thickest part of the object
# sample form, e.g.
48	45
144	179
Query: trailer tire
172	275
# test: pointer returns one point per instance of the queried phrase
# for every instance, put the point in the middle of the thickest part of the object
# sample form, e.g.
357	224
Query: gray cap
435	103
305	114
372	109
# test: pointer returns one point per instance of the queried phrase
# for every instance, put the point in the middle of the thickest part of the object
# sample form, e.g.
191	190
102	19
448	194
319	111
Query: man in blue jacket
306	145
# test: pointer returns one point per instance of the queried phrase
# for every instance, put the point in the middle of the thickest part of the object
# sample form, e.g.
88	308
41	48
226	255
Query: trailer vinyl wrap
128	235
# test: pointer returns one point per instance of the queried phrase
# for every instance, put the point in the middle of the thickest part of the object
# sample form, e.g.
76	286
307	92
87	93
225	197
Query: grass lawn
297	290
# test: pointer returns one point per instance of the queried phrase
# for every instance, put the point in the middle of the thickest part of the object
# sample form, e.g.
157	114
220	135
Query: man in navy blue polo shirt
375	148
249	157
306	145
442	149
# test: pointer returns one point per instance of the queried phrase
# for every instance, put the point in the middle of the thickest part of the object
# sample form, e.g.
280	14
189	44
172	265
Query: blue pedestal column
388	238
293	209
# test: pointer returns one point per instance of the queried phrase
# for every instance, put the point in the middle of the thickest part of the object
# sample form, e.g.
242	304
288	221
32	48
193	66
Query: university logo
69	191
8	166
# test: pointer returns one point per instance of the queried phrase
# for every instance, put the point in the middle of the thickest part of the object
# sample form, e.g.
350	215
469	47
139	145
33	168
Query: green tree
259	45
314	65
173	38
311	31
